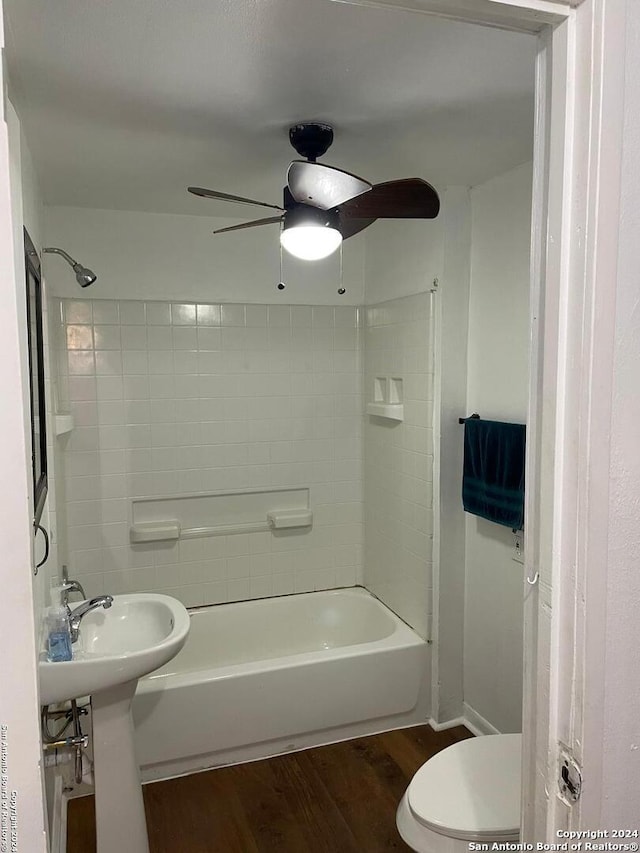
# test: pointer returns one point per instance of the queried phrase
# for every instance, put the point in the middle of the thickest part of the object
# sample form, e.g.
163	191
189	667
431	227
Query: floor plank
332	799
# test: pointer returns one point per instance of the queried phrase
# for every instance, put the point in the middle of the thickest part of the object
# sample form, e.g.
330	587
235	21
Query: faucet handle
68	586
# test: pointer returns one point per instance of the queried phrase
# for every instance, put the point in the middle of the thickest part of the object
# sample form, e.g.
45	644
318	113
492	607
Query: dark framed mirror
36	377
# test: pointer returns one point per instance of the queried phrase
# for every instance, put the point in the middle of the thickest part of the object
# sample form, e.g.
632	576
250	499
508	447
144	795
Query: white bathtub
264	677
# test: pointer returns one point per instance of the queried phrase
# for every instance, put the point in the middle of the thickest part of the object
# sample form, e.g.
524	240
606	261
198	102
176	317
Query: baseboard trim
476	723
59	822
448	724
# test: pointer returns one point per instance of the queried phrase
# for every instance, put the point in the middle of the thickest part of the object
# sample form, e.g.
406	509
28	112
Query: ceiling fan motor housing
311	140
303	214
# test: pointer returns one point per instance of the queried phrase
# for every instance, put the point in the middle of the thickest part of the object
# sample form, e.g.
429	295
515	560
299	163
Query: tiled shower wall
398	491
173	399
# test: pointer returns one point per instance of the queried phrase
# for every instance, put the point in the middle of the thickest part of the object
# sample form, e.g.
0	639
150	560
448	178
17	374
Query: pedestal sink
136	635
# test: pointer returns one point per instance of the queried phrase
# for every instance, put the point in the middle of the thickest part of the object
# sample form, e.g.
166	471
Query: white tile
87	562
81	363
84	512
232	315
135	387
208	315
301	316
283	583
112	437
76	311
191	550
132	313
105	311
138	460
159	338
114	511
137	412
256	315
82	488
163	435
215	593
261	587
106	337
85	413
110	412
209	339
187	387
238	590
134	362
137	435
79	337
134	337
162	387
233	338
279	316
183	314
210	362
185	362
185	338
113	486
109	387
162	411
322	317
158	314
108	363
346	315
113	462
160	362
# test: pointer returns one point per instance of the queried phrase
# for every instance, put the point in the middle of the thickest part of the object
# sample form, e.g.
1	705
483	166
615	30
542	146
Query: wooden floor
332	799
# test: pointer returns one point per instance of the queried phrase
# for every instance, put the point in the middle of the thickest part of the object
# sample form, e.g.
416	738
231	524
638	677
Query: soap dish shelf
163	531
391	411
63	422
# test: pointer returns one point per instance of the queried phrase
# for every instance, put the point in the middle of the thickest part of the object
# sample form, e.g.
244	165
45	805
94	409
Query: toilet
469	792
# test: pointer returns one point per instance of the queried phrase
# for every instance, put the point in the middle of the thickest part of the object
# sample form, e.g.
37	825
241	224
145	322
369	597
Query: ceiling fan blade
204	193
410	198
323	186
268	221
351	226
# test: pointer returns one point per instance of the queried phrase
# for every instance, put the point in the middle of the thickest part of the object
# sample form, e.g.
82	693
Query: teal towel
493	477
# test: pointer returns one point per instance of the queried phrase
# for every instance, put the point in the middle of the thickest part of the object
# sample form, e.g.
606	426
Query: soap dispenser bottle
58	629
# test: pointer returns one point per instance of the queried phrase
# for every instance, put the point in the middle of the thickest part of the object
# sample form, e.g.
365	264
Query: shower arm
53	251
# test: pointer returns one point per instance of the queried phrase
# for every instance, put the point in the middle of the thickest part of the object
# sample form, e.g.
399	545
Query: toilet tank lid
471	789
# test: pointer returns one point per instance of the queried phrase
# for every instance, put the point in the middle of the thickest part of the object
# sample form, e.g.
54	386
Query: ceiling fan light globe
310	242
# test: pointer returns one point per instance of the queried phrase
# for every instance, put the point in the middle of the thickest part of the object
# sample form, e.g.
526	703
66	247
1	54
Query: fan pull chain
341	289
281	285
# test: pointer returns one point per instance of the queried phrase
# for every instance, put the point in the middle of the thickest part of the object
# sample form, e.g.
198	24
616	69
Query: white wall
497	388
176	399
162	256
18	672
402	257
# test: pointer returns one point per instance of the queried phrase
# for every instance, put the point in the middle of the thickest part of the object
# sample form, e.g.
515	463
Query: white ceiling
126	103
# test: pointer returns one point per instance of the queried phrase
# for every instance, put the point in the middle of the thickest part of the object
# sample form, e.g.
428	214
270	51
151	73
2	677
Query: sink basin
135	636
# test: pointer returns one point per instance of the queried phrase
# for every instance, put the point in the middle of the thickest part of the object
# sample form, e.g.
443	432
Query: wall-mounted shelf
218	514
63	423
391	411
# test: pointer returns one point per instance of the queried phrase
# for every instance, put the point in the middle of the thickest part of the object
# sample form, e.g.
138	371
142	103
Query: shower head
84	276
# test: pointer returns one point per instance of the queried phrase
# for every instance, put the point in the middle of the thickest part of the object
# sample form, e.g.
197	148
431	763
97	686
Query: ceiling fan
323	205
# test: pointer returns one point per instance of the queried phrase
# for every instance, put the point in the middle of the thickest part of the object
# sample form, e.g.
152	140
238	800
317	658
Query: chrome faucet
76	615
